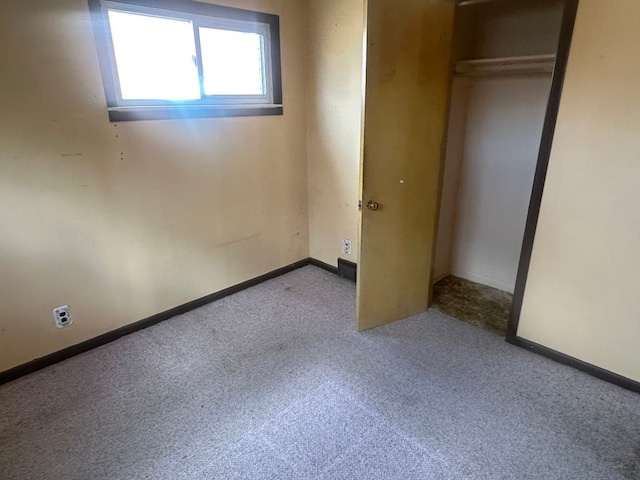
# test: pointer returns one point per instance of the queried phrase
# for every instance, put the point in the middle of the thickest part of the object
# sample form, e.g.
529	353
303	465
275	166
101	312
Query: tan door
408	79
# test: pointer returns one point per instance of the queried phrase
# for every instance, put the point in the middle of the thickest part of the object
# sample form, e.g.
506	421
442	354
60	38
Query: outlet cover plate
346	246
62	316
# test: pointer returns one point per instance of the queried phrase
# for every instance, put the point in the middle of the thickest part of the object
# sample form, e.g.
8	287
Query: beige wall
122	221
582	292
334	125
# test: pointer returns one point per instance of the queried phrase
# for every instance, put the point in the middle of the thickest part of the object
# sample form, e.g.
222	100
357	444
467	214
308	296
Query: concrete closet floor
479	305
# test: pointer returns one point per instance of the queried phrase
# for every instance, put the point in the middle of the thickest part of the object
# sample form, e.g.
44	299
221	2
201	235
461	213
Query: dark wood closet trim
548	132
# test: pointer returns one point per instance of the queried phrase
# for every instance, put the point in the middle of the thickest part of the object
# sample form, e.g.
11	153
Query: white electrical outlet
346	246
62	316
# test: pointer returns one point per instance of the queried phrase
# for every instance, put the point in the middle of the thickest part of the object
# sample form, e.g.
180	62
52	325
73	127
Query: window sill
127	114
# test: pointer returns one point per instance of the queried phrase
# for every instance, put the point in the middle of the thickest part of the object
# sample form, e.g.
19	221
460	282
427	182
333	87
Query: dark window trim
129	114
118	113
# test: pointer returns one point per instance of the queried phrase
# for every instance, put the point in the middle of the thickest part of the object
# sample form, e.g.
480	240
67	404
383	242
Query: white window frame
201	15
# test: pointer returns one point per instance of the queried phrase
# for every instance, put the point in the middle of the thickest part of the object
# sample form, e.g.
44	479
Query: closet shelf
532	64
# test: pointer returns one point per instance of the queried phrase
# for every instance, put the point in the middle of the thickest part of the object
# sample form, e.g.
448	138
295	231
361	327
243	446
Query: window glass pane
232	62
155	57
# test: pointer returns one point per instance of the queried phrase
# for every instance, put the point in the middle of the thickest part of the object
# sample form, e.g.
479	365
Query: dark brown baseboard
598	372
345	269
56	357
322	265
348	271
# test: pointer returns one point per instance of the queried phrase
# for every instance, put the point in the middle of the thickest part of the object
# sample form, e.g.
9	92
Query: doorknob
371	205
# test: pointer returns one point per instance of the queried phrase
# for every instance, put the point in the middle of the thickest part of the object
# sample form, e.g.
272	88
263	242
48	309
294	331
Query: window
180	58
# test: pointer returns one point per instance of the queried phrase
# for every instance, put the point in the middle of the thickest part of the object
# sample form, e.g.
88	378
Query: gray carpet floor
275	383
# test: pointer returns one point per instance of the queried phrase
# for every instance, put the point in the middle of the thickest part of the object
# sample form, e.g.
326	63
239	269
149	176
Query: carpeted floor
275	383
474	303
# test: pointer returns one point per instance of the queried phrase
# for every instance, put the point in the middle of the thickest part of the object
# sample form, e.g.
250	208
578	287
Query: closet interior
504	58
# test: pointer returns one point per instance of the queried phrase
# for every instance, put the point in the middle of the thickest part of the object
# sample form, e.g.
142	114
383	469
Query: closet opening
510	59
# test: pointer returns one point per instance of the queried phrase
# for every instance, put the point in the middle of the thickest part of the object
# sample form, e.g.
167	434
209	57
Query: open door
408	81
